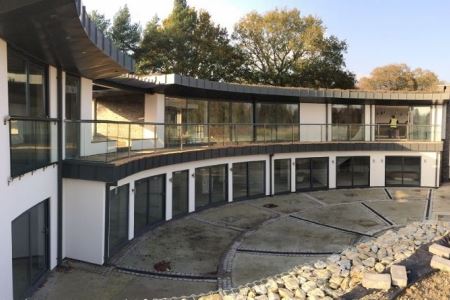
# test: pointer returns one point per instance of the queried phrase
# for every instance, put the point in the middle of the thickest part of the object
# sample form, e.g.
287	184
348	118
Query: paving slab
287	203
251	267
409	193
238	215
354	217
79	284
292	235
189	245
401	212
349	195
441	202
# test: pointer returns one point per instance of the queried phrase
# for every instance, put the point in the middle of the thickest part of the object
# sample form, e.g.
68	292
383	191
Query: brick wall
127	108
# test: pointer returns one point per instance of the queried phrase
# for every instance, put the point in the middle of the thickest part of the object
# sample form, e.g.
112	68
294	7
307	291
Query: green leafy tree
187	42
125	34
281	47
103	24
399	77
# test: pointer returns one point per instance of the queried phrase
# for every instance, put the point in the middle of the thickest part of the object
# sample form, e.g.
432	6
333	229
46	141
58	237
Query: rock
322	274
382	253
334	268
260	289
379	267
229	297
320	265
308	286
440	250
440	263
376	281
291	283
387	261
345	264
337	280
211	297
316	293
345	283
399	276
370	262
299	294
285	293
374	248
271	285
334	258
345	273
273	296
261	297
357	271
244	291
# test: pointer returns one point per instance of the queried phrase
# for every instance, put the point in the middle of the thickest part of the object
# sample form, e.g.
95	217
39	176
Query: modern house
91	156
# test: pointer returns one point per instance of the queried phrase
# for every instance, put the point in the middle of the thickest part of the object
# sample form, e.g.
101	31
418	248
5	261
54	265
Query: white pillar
191	198
367	119
169	177
377	170
293	185
332	172
131	211
230	182
154	113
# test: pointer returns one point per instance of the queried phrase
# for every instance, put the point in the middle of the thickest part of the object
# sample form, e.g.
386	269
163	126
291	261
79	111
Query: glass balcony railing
33	144
108	140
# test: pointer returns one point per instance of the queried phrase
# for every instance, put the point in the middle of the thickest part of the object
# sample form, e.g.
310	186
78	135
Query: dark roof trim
112	172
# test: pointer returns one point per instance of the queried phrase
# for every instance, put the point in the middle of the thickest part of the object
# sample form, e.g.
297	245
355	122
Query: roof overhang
60	33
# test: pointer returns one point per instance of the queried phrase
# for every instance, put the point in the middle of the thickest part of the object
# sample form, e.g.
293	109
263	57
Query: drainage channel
378	214
283	253
331	226
388	194
175	276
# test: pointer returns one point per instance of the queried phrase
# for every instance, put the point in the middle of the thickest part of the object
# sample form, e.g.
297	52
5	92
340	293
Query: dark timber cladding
59	33
112	172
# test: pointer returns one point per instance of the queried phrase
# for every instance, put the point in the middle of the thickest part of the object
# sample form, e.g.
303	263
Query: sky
378	32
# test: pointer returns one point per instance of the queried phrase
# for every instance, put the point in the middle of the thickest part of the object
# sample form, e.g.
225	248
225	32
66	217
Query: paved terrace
245	241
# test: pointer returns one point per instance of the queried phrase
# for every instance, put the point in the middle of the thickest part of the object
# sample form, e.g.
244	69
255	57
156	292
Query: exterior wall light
193	175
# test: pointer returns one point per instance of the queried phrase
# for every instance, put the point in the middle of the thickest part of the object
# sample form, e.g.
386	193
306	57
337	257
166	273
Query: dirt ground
435	287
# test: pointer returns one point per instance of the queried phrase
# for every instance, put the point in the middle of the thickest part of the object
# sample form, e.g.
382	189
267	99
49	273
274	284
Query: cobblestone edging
340	273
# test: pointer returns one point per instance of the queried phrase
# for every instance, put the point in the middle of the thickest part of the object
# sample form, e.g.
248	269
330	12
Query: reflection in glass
180	193
402	171
344	176
73	108
249	179
210	185
361	171
303	173
282	175
202	188
17	84
29	248
348	122
353	171
274	121
149	202
118	218
421	121
319	169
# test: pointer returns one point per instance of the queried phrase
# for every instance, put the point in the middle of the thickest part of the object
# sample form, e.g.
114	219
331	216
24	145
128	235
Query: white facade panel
313	115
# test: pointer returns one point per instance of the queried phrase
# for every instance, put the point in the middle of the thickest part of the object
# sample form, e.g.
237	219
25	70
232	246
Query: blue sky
378	32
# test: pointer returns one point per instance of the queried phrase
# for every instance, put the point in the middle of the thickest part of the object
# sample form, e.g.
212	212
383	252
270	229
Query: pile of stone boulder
340	273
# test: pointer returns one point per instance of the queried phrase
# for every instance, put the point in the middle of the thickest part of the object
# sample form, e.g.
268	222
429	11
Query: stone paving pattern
260	240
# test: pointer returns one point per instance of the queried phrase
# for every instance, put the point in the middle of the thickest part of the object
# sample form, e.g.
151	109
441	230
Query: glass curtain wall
30	139
402	171
242	119
180	193
352	171
118	218
277	122
73	107
311	173
282	175
421	120
149	202
347	122
249	180
30	253
210	185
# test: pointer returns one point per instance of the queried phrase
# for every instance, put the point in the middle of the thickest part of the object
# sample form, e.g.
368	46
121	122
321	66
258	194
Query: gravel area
435	287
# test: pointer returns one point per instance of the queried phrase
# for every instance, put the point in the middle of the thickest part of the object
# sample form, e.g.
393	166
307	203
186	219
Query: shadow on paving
350	195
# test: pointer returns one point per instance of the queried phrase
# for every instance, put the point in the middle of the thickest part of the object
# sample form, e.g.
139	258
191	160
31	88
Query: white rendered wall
84	220
22	193
313	113
155	113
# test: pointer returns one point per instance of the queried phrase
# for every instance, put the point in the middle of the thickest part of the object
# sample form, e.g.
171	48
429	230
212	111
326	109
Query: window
282	175
149	202
180	193
348	122
352	171
402	171
311	173
249	180
277	122
26	86
73	108
29	248
118	218
210	185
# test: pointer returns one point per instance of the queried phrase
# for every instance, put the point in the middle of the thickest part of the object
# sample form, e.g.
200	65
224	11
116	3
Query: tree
187	42
125	34
103	24
399	77
283	48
